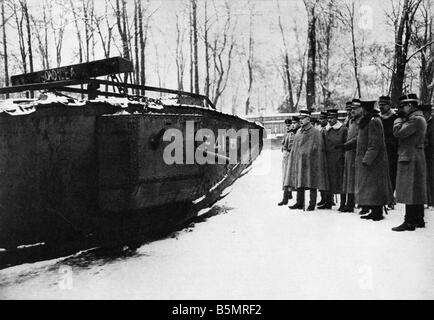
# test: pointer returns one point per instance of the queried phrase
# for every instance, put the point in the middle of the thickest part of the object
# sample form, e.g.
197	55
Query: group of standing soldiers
375	158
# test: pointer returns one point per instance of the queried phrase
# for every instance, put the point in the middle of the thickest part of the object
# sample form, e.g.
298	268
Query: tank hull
91	175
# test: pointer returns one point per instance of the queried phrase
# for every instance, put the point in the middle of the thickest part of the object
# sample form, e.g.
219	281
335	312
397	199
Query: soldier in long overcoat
348	109
335	134
410	129
349	181
388	116
292	126
322	128
373	188
429	152
308	162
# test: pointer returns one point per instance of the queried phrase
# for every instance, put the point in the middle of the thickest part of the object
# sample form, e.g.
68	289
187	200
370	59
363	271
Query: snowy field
253	249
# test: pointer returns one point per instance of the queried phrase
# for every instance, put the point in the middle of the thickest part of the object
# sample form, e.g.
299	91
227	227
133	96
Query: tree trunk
142	40
79	40
356	69
207	84
289	98
195	49
402	39
136	45
311	54
191	46
250	66
5	49
86	29
29	38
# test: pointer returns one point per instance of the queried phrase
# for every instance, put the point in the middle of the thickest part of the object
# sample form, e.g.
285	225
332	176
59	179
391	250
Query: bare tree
195	46
77	30
42	37
29	33
179	53
289	99
121	20
301	53
311	52
107	36
250	60
5	48
19	20
404	18
58	33
347	16
122	24
29	36
191	45
206	45
326	24
423	39
143	36
222	49
136	44
88	7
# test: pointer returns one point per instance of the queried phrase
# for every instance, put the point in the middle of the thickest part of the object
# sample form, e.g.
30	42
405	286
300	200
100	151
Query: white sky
267	38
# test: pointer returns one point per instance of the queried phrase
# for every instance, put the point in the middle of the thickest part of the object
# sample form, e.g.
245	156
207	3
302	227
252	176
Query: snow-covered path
252	250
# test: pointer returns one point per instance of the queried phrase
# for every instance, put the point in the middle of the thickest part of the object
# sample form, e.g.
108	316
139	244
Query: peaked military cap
370	106
305	113
384	100
355	103
323	114
411	97
348	105
332	113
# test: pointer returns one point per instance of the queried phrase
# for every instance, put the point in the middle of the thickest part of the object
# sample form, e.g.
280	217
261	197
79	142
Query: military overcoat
411	173
308	160
373	187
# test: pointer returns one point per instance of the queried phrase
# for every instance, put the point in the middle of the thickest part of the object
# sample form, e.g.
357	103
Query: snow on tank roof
123	102
24	106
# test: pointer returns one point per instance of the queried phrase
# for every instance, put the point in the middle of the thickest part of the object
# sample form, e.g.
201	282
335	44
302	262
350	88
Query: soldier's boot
349	207
410	219
312	200
325	206
297	206
323	198
328	201
343	200
405	227
419	220
285	199
300	200
420	224
364	210
376	214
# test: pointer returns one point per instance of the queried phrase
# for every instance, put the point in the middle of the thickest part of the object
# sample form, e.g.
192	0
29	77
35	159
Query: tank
112	168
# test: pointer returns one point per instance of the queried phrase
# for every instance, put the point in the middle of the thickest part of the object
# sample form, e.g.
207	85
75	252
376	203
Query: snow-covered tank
79	172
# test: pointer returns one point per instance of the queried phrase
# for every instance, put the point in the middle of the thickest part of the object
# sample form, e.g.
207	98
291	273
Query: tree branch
419	50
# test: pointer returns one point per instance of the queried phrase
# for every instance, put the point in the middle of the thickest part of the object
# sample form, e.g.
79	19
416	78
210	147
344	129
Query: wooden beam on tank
82	71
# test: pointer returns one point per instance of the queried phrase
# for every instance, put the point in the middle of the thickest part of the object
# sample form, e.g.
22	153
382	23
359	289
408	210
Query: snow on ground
252	250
